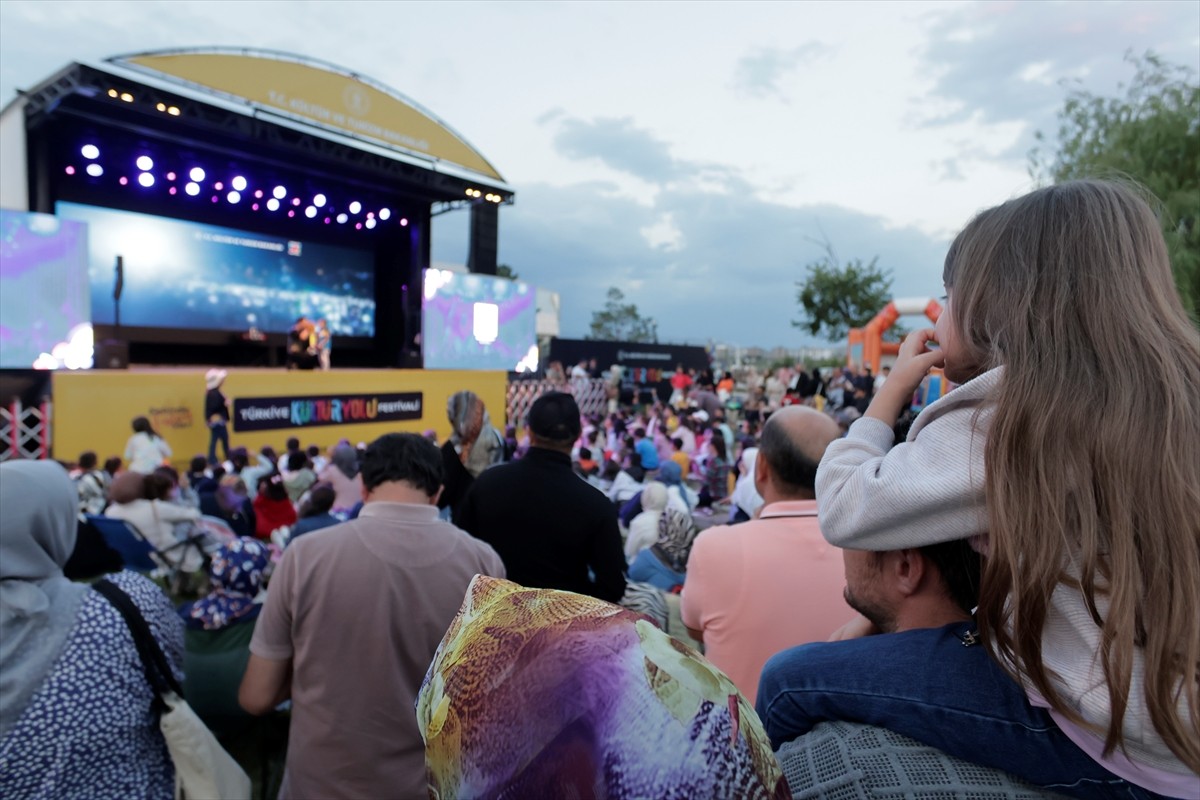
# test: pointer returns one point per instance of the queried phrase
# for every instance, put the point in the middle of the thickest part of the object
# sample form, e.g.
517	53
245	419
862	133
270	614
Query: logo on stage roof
294	248
356	100
275	413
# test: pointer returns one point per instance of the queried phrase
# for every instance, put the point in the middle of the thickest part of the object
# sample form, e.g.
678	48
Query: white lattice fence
591	395
25	431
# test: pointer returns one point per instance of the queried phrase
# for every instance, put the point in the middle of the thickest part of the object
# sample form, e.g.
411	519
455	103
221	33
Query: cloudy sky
693	154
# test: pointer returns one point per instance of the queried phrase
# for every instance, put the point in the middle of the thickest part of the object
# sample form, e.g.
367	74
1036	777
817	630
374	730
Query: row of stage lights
238	189
491	198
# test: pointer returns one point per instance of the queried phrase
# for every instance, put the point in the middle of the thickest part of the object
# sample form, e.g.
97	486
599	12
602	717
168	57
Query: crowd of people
1008	577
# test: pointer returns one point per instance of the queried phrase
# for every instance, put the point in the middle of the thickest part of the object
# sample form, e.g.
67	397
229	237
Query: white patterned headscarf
37	602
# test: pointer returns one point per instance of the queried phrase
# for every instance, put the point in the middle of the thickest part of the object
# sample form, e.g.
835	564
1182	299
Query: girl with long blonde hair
1070	456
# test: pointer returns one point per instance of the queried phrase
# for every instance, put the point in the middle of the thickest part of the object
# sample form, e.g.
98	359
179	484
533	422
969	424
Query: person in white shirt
145	450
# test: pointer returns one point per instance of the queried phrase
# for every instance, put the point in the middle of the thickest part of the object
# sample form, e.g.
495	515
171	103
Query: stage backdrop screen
478	322
180	274
43	270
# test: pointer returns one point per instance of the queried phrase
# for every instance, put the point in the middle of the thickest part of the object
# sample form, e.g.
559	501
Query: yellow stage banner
321	95
93	410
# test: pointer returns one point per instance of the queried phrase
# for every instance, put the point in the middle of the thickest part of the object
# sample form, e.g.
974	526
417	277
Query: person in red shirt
272	507
680	383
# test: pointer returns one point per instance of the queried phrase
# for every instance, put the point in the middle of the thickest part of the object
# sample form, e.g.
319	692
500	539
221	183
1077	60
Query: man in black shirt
552	529
216	414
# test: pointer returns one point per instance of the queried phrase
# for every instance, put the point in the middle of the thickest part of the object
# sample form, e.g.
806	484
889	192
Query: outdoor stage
92	410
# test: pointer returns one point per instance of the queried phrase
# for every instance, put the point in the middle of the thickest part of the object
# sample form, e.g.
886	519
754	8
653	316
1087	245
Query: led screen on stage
478	322
181	274
43	285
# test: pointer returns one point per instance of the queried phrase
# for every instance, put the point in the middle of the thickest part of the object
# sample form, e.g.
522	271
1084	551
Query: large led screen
478	322
44	297
181	274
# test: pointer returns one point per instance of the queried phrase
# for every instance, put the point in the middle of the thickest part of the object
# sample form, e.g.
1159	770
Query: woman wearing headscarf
342	474
76	711
218	631
230	502
664	564
746	500
643	530
473	446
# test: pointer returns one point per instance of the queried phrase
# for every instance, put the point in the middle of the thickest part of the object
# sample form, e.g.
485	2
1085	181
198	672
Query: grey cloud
733	278
759	73
983	55
619	144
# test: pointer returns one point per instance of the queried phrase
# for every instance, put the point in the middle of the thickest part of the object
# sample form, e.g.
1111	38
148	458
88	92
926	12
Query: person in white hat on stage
216	412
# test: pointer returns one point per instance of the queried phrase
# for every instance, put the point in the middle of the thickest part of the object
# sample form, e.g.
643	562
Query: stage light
385	213
403	223
218	186
279	192
145	163
171	190
341	218
310	212
258	193
95	170
233	196
123	180
254	207
295	201
112	92
238	183
272	204
470	192
291	212
196	174
355	207
161	106
370	223
70	170
192	189
319	200
170	176
146	179
358	226
215	198
90	151
173	111
328	220
127	97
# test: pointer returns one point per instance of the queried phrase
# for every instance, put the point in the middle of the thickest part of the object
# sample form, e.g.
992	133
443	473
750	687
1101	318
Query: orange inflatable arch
866	346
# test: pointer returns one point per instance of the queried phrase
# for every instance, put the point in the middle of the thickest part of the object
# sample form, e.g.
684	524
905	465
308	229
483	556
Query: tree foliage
505	271
835	298
620	322
1150	133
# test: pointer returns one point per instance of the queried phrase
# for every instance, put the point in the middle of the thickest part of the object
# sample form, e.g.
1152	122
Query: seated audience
92	485
643	529
77	714
229	502
664	564
298	478
342	474
314	514
140	501
272	508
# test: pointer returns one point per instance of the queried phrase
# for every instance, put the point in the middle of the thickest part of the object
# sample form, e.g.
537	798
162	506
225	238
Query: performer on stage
324	343
216	412
301	345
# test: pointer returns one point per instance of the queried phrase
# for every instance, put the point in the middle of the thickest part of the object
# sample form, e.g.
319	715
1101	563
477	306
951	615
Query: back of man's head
554	421
792	443
402	457
959	566
321	499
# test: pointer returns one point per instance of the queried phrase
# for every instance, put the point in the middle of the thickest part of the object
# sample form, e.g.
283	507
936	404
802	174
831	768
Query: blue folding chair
134	551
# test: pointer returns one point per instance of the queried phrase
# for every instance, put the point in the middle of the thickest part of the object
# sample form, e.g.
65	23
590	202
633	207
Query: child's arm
873	496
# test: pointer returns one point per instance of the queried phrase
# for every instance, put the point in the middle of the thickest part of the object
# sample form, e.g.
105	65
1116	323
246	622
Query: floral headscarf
236	574
676	533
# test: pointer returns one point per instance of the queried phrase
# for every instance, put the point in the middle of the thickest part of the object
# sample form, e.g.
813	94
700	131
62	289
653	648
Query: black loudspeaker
485	225
111	354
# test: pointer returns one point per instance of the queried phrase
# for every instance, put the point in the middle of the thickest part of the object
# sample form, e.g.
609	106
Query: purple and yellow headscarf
543	693
236	574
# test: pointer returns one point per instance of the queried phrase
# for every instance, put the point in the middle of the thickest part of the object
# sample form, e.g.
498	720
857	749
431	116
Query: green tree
505	271
1150	132
620	321
835	298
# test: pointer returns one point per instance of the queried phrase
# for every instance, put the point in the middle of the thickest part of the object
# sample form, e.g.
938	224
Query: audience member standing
352	620
553	530
743	581
92	485
145	450
324	344
77	715
216	414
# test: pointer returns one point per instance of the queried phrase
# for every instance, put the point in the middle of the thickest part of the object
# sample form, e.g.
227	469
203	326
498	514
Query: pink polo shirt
763	586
